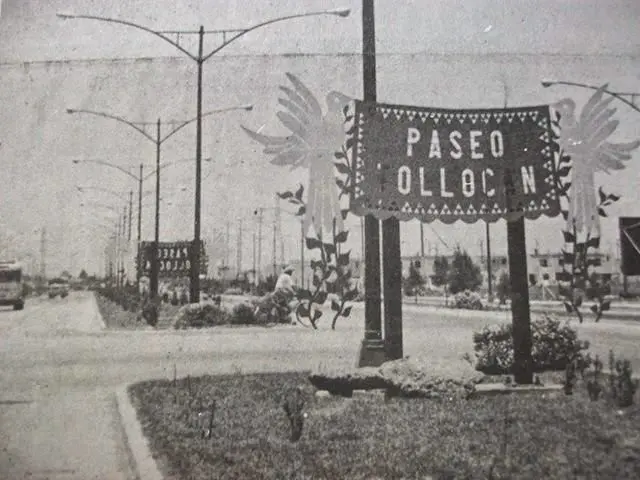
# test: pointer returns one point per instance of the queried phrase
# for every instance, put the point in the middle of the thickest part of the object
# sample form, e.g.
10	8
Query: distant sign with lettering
426	163
174	258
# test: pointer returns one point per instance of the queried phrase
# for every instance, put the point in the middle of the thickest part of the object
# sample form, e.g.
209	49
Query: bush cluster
198	315
126	297
554	345
205	315
243	314
468	300
273	308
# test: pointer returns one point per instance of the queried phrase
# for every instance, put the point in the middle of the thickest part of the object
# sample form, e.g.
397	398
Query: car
58	287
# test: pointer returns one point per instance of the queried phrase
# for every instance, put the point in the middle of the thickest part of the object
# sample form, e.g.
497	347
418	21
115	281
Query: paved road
58	418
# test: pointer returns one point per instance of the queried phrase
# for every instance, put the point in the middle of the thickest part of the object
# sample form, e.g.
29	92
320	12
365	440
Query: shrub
503	289
468	300
151	310
184	298
243	314
554	345
174	298
623	386
197	315
274	308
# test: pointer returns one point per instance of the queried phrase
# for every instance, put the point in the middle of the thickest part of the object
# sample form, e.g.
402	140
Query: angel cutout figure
583	139
314	139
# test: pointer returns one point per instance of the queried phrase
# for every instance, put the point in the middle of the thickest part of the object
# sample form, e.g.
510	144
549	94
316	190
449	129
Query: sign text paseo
474	147
418	162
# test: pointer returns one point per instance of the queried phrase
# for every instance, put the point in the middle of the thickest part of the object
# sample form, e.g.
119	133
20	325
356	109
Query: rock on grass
405	378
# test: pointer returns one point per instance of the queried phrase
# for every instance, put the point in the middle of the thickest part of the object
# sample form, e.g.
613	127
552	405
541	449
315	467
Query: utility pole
255	271
278	220
118	226
362	247
421	240
155	267
43	254
125	246
259	265
239	250
275	240
226	247
302	245
140	205
489	275
130	214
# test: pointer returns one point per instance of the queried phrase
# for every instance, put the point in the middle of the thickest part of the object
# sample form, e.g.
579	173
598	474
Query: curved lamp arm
340	12
129	24
107	164
113	117
180	126
81	189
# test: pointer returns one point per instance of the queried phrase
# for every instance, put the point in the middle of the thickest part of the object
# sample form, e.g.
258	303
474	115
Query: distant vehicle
12	288
58	286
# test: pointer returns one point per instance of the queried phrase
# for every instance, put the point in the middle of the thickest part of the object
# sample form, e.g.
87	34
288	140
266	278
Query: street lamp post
119	236
130	200
138	178
158	140
200	59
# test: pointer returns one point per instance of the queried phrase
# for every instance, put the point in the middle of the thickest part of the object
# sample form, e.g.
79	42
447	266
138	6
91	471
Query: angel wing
302	117
595	126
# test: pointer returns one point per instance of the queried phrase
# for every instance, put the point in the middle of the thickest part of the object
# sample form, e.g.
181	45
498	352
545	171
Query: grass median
535	435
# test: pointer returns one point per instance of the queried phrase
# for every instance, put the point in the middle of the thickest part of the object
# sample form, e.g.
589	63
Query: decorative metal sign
426	163
314	138
630	245
174	258
583	139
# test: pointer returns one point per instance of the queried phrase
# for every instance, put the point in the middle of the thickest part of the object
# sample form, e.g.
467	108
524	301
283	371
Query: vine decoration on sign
314	137
332	273
582	150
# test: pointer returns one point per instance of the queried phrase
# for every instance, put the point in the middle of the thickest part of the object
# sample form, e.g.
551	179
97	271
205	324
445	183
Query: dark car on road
58	287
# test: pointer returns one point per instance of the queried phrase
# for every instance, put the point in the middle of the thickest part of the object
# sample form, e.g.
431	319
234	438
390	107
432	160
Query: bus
11	285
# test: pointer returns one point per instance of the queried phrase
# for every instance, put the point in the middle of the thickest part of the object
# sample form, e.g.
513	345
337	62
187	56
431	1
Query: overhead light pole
200	58
158	140
138	178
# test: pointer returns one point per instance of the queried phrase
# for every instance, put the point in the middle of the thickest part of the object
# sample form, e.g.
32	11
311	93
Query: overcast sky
459	54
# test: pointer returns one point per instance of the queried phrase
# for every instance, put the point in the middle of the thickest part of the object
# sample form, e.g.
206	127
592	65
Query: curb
144	465
97	316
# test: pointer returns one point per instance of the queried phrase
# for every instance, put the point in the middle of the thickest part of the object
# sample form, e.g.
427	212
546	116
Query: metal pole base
371	353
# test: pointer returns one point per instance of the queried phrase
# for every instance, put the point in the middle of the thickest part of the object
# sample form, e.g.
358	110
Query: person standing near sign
284	284
283	295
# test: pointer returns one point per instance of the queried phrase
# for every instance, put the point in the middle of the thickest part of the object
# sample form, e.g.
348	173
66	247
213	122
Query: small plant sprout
293	406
